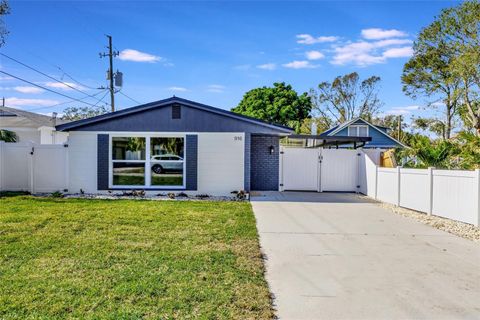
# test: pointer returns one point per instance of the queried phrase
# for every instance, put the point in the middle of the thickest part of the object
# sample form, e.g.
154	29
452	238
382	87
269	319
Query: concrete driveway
341	256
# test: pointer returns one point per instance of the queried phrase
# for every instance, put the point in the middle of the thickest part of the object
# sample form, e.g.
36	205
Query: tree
347	98
321	123
392	122
8	136
4	10
433	125
76	113
461	32
278	104
435	68
468	146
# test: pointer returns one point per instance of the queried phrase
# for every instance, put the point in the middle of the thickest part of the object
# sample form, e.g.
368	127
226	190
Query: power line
47	89
26	50
123	94
62	103
103	97
44	74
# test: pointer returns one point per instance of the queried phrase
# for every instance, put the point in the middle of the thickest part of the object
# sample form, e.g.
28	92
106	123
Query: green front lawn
127	259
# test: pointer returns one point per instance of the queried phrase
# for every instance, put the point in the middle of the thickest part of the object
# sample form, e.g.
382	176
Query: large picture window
148	161
166	161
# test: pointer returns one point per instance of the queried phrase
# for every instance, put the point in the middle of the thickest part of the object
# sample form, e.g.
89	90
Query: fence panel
415	189
387	185
49	168
16	167
33	167
455	195
452	194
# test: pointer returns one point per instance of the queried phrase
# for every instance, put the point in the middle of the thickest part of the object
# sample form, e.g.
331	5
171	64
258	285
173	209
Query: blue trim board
102	161
191	156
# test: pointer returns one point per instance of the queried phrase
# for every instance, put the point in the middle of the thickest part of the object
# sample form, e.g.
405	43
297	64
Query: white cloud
267	66
363	53
180	89
403	52
137	56
309	39
314	55
377	33
6	78
63	85
402	110
27	89
217	88
19	102
303	64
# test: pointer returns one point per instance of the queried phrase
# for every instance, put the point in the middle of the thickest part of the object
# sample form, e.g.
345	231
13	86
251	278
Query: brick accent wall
191	149
102	161
264	173
247	166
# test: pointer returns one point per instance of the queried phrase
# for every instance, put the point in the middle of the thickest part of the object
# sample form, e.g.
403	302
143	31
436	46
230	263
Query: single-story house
173	144
359	127
32	127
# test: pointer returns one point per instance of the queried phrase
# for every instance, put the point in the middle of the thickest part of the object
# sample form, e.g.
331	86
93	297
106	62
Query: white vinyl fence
31	167
453	194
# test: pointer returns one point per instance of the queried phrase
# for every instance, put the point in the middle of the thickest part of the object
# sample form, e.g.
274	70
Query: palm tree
8	136
431	153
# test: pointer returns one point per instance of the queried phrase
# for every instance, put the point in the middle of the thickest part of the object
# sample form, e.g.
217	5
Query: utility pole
3	102
399	127
111	54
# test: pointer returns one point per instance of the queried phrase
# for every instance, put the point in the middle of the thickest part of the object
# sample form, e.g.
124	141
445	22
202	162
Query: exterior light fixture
271	149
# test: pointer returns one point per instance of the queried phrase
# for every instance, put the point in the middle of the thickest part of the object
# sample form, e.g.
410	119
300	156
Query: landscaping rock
457	228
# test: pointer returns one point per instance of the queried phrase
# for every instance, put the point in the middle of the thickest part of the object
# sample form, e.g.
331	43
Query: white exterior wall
82	162
26	134
48	135
220	162
220	168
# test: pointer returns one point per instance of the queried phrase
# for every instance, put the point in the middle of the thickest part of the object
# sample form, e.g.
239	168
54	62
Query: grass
129	259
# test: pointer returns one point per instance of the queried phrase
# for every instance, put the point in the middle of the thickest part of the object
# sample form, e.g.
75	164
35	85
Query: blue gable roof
157	116
380	138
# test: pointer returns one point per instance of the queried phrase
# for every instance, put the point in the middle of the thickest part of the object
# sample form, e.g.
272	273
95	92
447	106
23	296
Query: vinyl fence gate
36	168
316	169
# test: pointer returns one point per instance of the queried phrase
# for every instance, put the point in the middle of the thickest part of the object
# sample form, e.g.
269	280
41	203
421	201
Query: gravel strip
457	228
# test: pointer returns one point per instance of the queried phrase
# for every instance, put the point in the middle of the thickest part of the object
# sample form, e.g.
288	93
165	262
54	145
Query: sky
210	52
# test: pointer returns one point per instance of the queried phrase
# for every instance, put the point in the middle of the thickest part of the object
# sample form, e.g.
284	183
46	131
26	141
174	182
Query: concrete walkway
340	256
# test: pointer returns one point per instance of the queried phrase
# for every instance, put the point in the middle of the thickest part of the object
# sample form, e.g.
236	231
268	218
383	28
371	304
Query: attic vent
176	112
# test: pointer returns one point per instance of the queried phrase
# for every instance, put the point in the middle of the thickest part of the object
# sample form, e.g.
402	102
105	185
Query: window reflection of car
167	163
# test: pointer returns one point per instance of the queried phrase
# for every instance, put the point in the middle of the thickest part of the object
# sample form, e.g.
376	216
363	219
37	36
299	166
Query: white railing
31	167
453	194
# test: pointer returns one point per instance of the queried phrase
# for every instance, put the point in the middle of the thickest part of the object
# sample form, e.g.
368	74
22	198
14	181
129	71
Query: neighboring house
359	127
32	127
173	144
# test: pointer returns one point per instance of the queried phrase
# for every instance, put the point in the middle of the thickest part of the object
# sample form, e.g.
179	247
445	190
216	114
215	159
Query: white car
169	162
